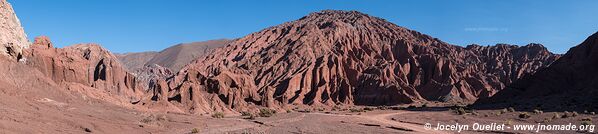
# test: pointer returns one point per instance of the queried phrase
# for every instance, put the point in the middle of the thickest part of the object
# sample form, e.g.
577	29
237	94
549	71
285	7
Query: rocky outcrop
570	83
85	65
345	58
150	74
12	36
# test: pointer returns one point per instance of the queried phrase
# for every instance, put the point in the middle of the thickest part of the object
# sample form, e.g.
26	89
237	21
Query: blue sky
146	25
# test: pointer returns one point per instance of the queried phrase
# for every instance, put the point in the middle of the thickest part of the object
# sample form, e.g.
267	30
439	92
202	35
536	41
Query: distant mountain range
174	58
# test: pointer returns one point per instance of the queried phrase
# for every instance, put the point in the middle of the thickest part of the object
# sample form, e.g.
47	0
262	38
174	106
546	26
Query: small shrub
547	120
425	105
289	111
511	109
368	109
250	117
411	107
353	110
245	113
461	111
266	112
585	123
587	119
524	115
336	107
574	114
383	107
556	116
536	111
593	113
509	122
566	114
503	111
194	130
218	115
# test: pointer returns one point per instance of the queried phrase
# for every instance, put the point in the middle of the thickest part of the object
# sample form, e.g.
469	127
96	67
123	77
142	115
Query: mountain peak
337	13
338	18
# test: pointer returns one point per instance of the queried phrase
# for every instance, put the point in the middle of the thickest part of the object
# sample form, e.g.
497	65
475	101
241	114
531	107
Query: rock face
82	66
150	74
12	36
344	58
570	83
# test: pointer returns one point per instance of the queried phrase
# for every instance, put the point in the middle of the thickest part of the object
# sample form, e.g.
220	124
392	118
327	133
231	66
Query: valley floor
50	116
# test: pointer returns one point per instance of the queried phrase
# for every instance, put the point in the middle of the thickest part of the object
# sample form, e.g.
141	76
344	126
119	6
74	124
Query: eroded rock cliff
86	67
570	83
12	36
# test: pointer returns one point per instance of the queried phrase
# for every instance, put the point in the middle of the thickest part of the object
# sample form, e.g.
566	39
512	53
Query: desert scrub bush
524	115
383	107
218	115
556	116
411	107
245	113
509	122
250	117
336	107
511	109
574	114
194	130
536	111
503	111
266	112
354	110
567	114
461	111
368	109
289	111
587	119
585	123
547	120
152	118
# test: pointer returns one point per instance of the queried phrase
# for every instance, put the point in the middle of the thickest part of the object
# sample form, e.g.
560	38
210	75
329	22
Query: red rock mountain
570	83
88	68
344	58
